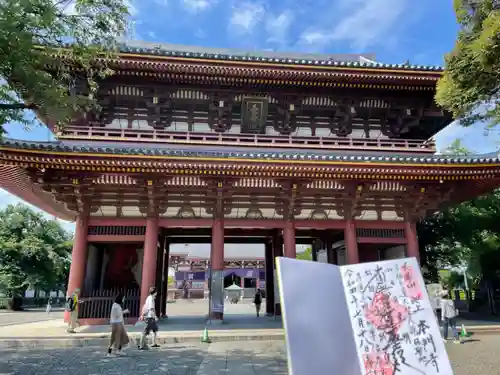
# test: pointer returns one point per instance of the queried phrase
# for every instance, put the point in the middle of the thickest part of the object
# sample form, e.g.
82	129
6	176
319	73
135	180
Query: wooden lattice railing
253	140
96	304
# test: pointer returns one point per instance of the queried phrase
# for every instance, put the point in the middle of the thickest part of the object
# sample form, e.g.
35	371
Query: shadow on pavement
197	323
236	359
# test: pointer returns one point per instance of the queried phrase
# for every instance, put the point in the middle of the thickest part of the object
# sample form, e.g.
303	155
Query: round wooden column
351	243
290	248
78	257
148	277
217	270
411	240
217	250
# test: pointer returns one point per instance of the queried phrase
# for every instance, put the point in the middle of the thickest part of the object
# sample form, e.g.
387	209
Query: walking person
257	300
119	337
150	319
72	307
48	310
449	314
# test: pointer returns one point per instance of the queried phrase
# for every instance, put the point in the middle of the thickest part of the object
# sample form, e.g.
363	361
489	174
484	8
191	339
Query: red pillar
78	257
149	258
217	251
290	248
217	261
351	243
411	240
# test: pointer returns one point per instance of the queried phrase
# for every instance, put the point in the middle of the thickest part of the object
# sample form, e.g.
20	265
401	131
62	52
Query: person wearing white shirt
119	337
448	317
150	319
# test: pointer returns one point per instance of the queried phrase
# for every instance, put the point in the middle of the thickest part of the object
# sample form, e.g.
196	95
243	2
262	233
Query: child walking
119	336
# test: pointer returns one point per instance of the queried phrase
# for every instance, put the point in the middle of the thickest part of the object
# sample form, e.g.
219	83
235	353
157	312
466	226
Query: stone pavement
185	325
478	356
30	316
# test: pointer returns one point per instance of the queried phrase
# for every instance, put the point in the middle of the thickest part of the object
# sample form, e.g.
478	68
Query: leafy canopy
305	255
34	251
43	79
470	86
464	235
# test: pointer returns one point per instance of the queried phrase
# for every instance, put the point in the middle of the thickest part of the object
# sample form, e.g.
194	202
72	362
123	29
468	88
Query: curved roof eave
164	150
16	181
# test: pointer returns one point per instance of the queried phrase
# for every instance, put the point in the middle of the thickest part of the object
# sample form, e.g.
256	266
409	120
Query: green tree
466	234
456	148
171	280
34	252
305	255
472	69
55	81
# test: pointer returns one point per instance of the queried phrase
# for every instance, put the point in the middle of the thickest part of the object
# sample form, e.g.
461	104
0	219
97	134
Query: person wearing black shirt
257	300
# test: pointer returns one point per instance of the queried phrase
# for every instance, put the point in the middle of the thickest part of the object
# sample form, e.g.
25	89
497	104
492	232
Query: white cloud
477	138
315	37
196	6
132	9
200	33
162	3
277	27
245	16
362	24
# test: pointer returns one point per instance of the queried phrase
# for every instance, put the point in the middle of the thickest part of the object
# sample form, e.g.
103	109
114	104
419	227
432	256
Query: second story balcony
386	145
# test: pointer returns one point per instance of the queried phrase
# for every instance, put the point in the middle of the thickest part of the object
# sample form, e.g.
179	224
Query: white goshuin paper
364	319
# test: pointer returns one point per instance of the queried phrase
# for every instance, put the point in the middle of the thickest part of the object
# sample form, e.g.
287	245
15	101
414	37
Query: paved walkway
240	324
22	317
254	358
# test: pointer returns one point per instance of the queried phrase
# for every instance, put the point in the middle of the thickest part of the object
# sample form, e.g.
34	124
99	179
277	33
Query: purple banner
262	275
189	276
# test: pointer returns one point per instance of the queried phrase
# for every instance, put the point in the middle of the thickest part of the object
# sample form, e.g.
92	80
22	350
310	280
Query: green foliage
88	27
34	251
455	280
305	255
171	280
457	148
472	69
467	234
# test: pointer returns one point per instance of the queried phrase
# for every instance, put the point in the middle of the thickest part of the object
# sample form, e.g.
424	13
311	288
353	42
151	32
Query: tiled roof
347	57
222	153
326	60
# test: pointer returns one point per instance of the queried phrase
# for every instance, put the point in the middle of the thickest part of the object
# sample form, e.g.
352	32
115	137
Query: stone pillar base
217	316
216	295
277	309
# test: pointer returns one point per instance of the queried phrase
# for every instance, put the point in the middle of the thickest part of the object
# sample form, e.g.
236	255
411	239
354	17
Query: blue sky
395	30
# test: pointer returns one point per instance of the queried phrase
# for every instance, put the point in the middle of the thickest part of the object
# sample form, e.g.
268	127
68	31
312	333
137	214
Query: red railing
96	304
248	140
